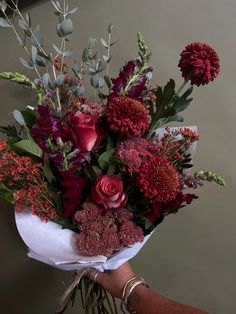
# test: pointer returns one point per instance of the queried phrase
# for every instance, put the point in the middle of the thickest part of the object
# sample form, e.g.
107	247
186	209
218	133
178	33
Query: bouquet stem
94	299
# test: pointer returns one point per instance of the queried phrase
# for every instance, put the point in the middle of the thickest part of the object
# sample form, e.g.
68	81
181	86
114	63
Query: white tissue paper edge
52	245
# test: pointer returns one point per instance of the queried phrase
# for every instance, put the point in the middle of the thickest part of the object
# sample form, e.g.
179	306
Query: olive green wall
192	257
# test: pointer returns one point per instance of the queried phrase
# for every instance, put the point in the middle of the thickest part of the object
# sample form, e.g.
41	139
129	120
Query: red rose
84	131
108	191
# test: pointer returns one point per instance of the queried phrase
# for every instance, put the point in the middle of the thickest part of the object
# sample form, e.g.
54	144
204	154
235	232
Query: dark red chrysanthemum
199	63
159	179
128	116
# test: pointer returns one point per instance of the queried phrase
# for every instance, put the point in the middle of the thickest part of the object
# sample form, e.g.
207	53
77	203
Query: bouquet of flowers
91	180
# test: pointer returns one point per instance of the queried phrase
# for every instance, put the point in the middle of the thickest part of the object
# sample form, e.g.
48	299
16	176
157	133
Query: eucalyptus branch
20	40
17	10
108	51
63	42
57	89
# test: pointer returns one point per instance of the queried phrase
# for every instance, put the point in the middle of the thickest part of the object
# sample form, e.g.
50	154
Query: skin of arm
142	299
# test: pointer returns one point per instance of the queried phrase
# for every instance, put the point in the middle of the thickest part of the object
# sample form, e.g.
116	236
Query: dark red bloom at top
159	179
128	116
73	187
199	63
160	209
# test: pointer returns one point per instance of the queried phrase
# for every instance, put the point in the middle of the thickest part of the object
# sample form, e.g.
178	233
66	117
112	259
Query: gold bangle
128	288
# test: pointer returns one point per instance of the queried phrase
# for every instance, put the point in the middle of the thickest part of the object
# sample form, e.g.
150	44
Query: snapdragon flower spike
119	83
47	125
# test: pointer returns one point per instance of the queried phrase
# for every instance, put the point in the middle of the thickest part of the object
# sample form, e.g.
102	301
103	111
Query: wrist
129	288
136	296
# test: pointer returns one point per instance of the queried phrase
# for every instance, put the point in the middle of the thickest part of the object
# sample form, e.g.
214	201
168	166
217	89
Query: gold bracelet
128	288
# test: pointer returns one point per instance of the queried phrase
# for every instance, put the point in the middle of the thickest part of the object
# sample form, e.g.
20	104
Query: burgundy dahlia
199	63
159	179
128	116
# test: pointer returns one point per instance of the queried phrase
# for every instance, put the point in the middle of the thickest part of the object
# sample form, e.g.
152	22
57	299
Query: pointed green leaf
28	146
104	158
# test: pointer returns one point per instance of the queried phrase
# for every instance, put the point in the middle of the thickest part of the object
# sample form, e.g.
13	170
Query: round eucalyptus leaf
66	27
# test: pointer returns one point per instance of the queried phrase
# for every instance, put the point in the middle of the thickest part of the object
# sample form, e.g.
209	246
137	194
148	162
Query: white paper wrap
52	245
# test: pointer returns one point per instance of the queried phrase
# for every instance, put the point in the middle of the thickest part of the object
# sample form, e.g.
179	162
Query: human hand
113	280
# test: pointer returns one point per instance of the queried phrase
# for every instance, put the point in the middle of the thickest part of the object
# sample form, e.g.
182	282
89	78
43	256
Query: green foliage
29	117
11	134
47	169
6	194
104	158
27	146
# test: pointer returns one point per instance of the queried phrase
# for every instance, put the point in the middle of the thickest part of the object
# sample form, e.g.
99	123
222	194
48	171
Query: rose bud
108	191
83	131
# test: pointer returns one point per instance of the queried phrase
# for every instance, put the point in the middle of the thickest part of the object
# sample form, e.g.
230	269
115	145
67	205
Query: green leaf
9	131
168	92
7	195
28	146
104	158
181	103
29	117
47	169
4	22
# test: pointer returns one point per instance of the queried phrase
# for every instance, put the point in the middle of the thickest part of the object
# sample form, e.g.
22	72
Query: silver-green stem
108	52
30	30
25	48
63	42
57	89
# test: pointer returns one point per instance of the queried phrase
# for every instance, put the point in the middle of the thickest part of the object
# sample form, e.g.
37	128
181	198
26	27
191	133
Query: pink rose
83	131
108	191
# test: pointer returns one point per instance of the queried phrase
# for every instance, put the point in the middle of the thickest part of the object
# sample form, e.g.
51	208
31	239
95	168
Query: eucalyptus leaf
94	81
34	52
56	6
40	61
101	82
110	28
26	64
46	80
108	81
66	27
23	25
60	80
3	5
79	91
91	42
72	11
28	19
68	53
101	67
29	147
58	50
19	117
38	40
104	43
85	55
4	22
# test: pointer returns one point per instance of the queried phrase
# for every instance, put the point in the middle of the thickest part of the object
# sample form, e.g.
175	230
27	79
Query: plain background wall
192	257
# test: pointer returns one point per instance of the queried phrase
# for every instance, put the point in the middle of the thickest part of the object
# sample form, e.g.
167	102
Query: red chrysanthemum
159	179
199	63
128	116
